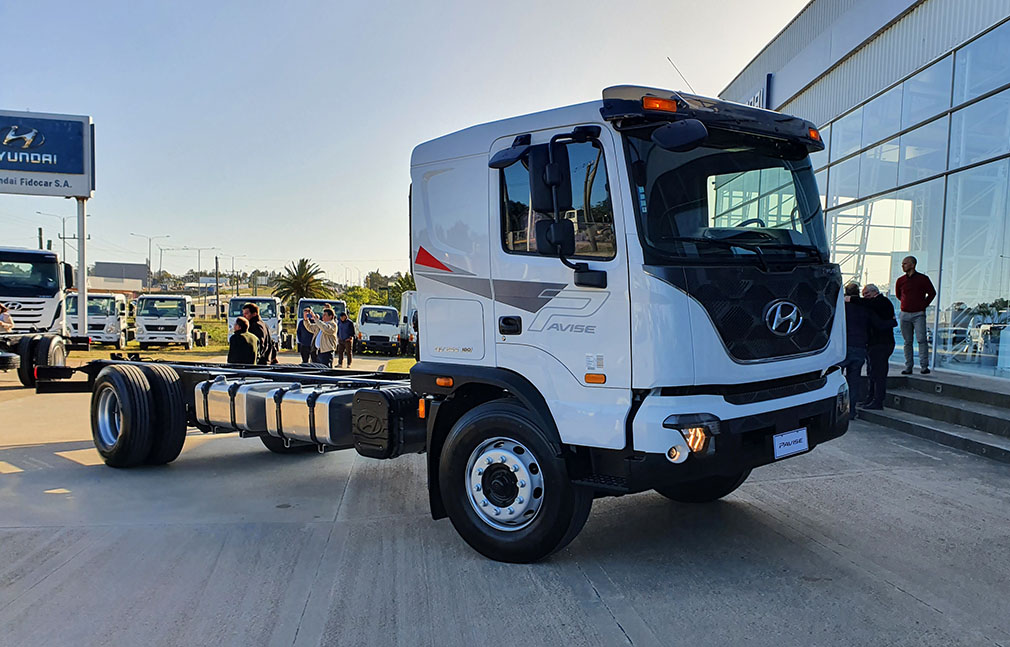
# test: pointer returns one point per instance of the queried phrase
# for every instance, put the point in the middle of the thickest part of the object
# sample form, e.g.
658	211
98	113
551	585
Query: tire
121	342
276	445
121	421
9	361
51	351
203	338
168	414
706	490
26	351
188	345
528	527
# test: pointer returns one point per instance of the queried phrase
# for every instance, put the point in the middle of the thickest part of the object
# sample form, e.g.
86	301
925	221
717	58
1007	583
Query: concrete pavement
875	539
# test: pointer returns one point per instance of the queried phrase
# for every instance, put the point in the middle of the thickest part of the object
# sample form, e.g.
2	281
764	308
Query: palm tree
301	280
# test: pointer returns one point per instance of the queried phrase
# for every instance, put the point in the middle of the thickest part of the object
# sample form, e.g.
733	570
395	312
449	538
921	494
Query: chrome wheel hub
110	417
505	484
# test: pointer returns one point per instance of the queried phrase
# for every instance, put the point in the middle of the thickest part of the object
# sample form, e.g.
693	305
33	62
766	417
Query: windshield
317	306
268	309
28	275
379	316
97	306
737	198
161	308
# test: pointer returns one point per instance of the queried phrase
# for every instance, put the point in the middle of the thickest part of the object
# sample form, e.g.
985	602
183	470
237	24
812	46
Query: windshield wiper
724	243
810	249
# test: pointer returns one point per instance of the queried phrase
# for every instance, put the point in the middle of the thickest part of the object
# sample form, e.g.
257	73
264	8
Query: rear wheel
121	415
121	342
168	414
704	490
51	350
9	361
276	445
26	351
504	488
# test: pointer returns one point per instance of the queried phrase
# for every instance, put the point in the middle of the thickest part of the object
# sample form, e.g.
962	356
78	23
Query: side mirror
546	175
680	136
133	310
552	234
192	310
68	276
283	311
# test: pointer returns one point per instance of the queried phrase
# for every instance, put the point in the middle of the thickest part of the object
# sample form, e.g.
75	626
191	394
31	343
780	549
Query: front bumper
162	338
384	346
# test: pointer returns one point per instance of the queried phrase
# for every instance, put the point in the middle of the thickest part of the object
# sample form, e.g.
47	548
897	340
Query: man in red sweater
916	292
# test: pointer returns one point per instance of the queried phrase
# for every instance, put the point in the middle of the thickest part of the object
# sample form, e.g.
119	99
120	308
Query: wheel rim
505	484
59	356
110	417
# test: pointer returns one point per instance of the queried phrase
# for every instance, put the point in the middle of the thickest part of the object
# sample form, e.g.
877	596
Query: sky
275	131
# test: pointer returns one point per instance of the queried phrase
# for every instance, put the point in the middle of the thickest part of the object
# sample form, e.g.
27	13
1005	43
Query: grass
217	345
399	365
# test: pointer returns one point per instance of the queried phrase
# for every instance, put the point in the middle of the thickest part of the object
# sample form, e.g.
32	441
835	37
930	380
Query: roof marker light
658	103
814	135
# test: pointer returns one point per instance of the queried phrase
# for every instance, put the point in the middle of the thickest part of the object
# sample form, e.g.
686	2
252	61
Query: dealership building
912	99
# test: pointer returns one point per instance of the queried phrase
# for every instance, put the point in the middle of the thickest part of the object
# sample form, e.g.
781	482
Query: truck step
604	482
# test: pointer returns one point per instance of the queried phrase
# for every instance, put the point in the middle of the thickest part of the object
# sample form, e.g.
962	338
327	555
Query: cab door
572	342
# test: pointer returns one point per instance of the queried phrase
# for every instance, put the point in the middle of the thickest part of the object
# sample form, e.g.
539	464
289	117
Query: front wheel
703	490
504	487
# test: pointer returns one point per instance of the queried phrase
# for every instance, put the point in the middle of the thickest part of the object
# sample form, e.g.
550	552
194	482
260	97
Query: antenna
690	87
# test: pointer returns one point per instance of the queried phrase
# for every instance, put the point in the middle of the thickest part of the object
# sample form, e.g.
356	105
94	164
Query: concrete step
972	388
944	408
944	433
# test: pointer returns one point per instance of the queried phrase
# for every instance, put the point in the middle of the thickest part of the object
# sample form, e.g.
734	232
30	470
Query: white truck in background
33	286
377	329
164	319
106	318
408	336
682	327
272	312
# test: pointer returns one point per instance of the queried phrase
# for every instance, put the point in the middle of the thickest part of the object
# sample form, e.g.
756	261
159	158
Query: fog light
842	404
696	438
698	431
673	454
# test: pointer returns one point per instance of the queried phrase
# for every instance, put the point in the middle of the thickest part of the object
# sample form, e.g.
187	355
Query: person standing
305	339
327	329
6	323
345	339
880	346
857	329
259	330
243	347
916	292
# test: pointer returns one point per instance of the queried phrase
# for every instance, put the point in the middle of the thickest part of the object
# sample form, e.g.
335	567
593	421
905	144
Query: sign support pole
82	268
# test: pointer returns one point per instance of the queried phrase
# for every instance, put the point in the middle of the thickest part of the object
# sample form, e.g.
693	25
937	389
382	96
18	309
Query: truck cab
272	312
106	317
317	305
164	319
637	286
377	329
408	306
33	283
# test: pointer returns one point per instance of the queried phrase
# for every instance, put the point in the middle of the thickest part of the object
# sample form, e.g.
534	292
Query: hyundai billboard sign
43	154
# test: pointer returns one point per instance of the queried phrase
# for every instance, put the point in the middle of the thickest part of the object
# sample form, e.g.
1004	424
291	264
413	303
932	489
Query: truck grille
27	313
737	297
160	328
96	326
378	338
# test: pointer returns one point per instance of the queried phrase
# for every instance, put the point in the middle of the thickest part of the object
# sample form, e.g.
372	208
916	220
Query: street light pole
199	250
150	240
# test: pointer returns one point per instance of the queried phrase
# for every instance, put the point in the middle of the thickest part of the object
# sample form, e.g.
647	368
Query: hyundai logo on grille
14	307
783	317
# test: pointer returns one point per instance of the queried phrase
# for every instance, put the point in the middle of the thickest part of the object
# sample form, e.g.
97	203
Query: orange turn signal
443	381
421	412
814	135
596	378
658	103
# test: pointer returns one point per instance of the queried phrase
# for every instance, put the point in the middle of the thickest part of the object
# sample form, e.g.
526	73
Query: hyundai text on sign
45	154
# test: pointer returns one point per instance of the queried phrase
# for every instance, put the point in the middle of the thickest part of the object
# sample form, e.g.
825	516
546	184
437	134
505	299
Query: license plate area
790	442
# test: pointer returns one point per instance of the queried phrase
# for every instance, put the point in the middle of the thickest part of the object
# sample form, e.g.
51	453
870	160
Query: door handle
510	325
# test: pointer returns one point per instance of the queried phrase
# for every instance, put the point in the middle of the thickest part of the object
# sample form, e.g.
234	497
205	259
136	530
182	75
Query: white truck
164	319
679	329
317	305
106	318
377	329
272	313
33	285
408	306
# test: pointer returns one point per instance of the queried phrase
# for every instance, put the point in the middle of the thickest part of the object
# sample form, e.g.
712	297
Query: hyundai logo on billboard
42	145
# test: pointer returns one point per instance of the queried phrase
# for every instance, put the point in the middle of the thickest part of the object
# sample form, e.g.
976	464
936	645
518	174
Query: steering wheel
752	221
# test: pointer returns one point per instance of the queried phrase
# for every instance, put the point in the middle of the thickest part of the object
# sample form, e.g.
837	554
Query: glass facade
923	169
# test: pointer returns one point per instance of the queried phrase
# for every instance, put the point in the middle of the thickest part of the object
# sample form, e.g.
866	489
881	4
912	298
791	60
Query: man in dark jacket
345	339
243	346
259	330
881	344
857	327
305	341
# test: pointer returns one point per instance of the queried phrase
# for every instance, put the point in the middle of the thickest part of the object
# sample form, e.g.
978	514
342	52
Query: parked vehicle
408	306
164	319
675	333
272	312
377	329
317	305
33	285
106	318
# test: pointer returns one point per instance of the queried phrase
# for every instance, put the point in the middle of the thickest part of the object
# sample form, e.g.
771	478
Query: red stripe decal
426	259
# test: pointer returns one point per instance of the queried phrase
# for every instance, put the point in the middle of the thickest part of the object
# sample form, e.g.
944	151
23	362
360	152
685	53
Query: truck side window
593	213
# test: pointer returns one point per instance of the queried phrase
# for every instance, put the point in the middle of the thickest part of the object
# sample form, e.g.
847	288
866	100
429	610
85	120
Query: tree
301	280
356	296
403	283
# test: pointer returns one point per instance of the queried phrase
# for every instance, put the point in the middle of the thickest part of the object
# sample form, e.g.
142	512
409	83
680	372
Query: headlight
109	329
141	329
363	337
842	404
181	328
